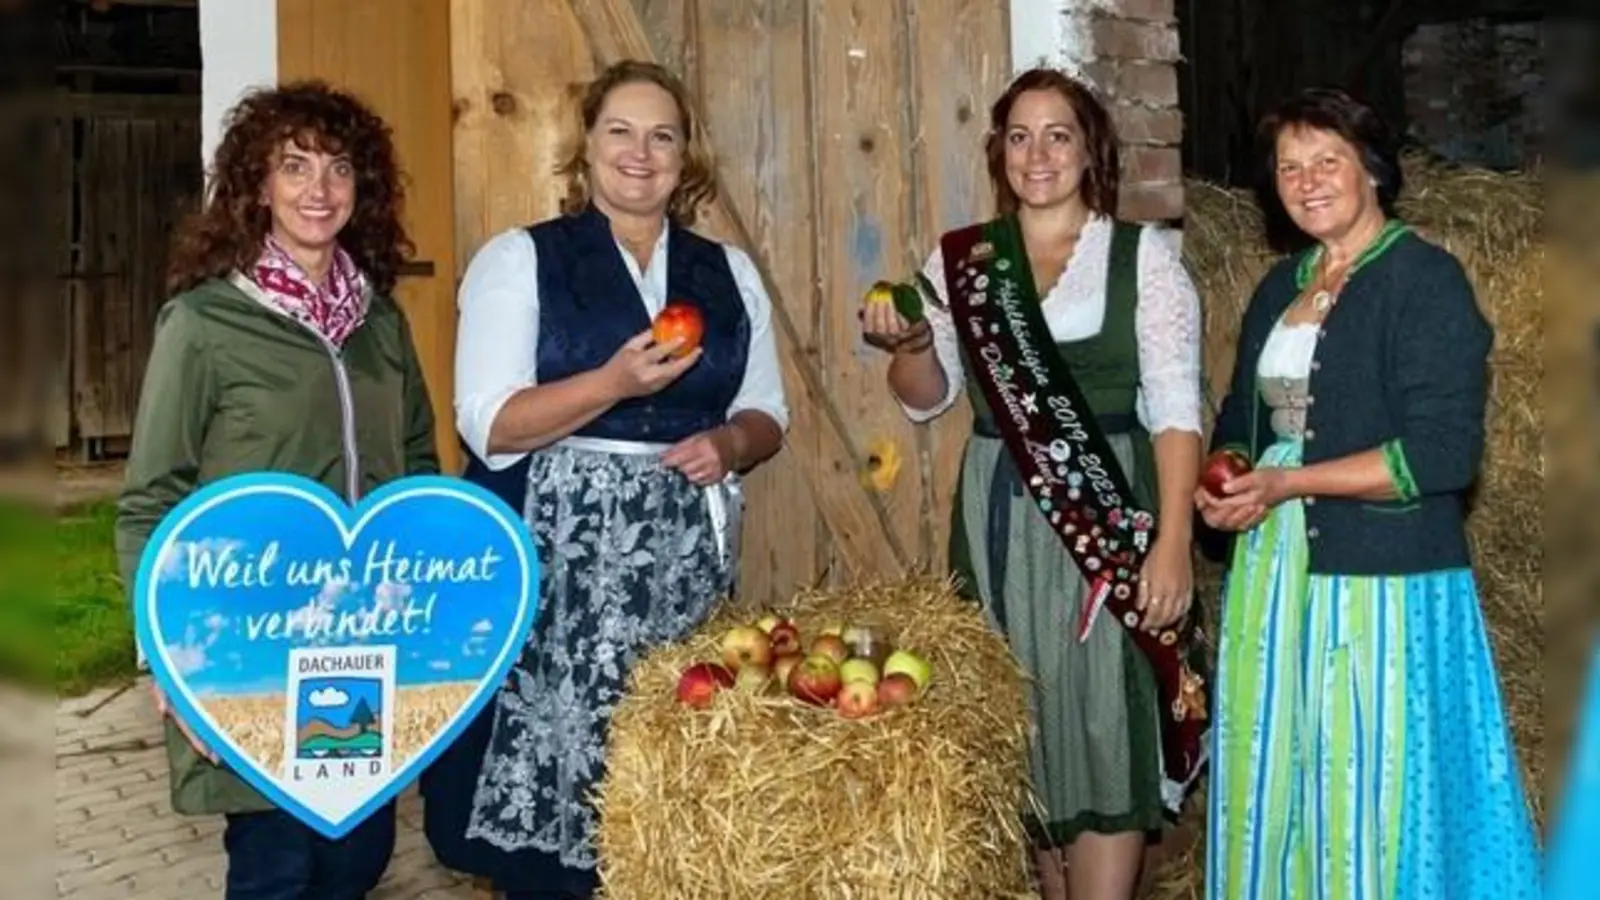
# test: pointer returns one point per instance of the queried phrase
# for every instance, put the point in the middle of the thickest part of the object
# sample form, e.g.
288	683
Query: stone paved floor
115	835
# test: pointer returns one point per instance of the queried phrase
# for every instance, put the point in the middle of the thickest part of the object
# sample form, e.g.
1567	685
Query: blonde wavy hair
696	184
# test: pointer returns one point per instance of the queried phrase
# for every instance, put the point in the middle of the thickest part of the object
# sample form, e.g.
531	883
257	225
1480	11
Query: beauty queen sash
1067	466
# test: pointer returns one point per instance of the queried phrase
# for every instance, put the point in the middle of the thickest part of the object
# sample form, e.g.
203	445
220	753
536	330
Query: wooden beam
134	106
863	530
173	4
513	64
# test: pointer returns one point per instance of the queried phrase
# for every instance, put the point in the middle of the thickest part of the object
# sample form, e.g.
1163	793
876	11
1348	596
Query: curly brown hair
697	185
227	232
1099	137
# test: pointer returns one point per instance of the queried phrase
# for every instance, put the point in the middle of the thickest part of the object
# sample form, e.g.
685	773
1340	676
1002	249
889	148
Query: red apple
745	645
858	699
783	665
785	639
679	321
832	646
700	682
815	680
1220	468
898	689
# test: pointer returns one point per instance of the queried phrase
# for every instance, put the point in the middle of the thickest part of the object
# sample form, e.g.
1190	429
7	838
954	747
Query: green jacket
232	387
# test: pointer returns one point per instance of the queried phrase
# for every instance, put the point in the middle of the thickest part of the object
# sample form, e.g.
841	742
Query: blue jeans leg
272	856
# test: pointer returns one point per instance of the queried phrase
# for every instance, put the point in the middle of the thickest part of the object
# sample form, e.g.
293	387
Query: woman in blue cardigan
1360	748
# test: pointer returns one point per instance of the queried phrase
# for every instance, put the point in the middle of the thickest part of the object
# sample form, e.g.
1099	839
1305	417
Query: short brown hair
697	184
226	234
1332	110
1099	135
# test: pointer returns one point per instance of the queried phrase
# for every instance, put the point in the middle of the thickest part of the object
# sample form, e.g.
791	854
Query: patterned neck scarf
334	309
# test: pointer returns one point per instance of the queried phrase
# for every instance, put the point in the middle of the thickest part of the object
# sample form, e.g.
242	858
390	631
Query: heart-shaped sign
326	654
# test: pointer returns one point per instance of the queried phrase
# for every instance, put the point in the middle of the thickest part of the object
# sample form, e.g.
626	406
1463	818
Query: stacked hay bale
1493	223
760	796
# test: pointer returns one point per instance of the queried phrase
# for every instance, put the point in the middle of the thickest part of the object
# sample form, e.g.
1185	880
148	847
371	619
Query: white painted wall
1050	33
238	51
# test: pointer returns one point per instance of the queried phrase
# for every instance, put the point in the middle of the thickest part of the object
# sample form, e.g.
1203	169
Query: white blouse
1289	350
1166	323
497	336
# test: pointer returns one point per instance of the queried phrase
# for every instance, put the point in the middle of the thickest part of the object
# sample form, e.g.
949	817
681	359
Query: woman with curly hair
622	453
281	348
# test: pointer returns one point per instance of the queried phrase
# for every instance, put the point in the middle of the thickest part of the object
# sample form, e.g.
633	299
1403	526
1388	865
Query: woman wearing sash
622	455
1098	332
1360	746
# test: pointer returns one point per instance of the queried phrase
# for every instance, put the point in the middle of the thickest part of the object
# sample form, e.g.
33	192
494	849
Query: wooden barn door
848	135
133	164
395	54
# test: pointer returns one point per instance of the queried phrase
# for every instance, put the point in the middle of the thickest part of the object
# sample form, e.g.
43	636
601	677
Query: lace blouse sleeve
1168	327
944	343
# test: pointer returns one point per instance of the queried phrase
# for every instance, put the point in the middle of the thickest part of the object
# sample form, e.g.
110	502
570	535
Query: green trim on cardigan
1394	458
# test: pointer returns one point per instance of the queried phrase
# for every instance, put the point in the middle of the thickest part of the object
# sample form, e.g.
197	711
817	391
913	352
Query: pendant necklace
1322	301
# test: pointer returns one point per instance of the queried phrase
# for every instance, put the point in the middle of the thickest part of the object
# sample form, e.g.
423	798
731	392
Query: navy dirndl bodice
589	306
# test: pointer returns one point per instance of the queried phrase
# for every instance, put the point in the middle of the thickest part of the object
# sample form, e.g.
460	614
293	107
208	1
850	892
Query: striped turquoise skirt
1360	747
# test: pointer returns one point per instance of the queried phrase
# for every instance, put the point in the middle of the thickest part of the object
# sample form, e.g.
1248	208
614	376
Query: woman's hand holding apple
642	366
884	327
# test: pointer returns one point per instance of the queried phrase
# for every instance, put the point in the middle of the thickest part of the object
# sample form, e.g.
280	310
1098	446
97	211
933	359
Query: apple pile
850	668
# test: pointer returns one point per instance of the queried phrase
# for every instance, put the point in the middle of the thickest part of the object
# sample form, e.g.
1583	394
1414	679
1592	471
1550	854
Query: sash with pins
1069	469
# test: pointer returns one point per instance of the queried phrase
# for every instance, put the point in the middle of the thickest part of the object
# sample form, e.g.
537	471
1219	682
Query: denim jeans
272	856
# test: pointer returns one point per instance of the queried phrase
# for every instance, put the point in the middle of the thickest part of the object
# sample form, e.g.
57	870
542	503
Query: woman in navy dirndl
622	456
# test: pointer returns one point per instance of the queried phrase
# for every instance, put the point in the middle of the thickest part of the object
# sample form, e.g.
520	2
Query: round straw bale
760	796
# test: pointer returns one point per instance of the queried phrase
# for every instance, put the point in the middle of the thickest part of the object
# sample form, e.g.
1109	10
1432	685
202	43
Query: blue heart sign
328	654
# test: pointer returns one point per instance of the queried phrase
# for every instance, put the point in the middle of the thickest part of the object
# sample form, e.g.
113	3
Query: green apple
908	663
858	669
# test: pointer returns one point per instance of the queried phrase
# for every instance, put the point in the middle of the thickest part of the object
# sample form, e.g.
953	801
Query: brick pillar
1128	51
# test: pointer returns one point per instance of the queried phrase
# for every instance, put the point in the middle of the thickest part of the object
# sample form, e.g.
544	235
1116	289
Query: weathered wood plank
863	153
116	249
88	357
756	104
960	61
146	187
670	25
58	405
515	65
859	521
